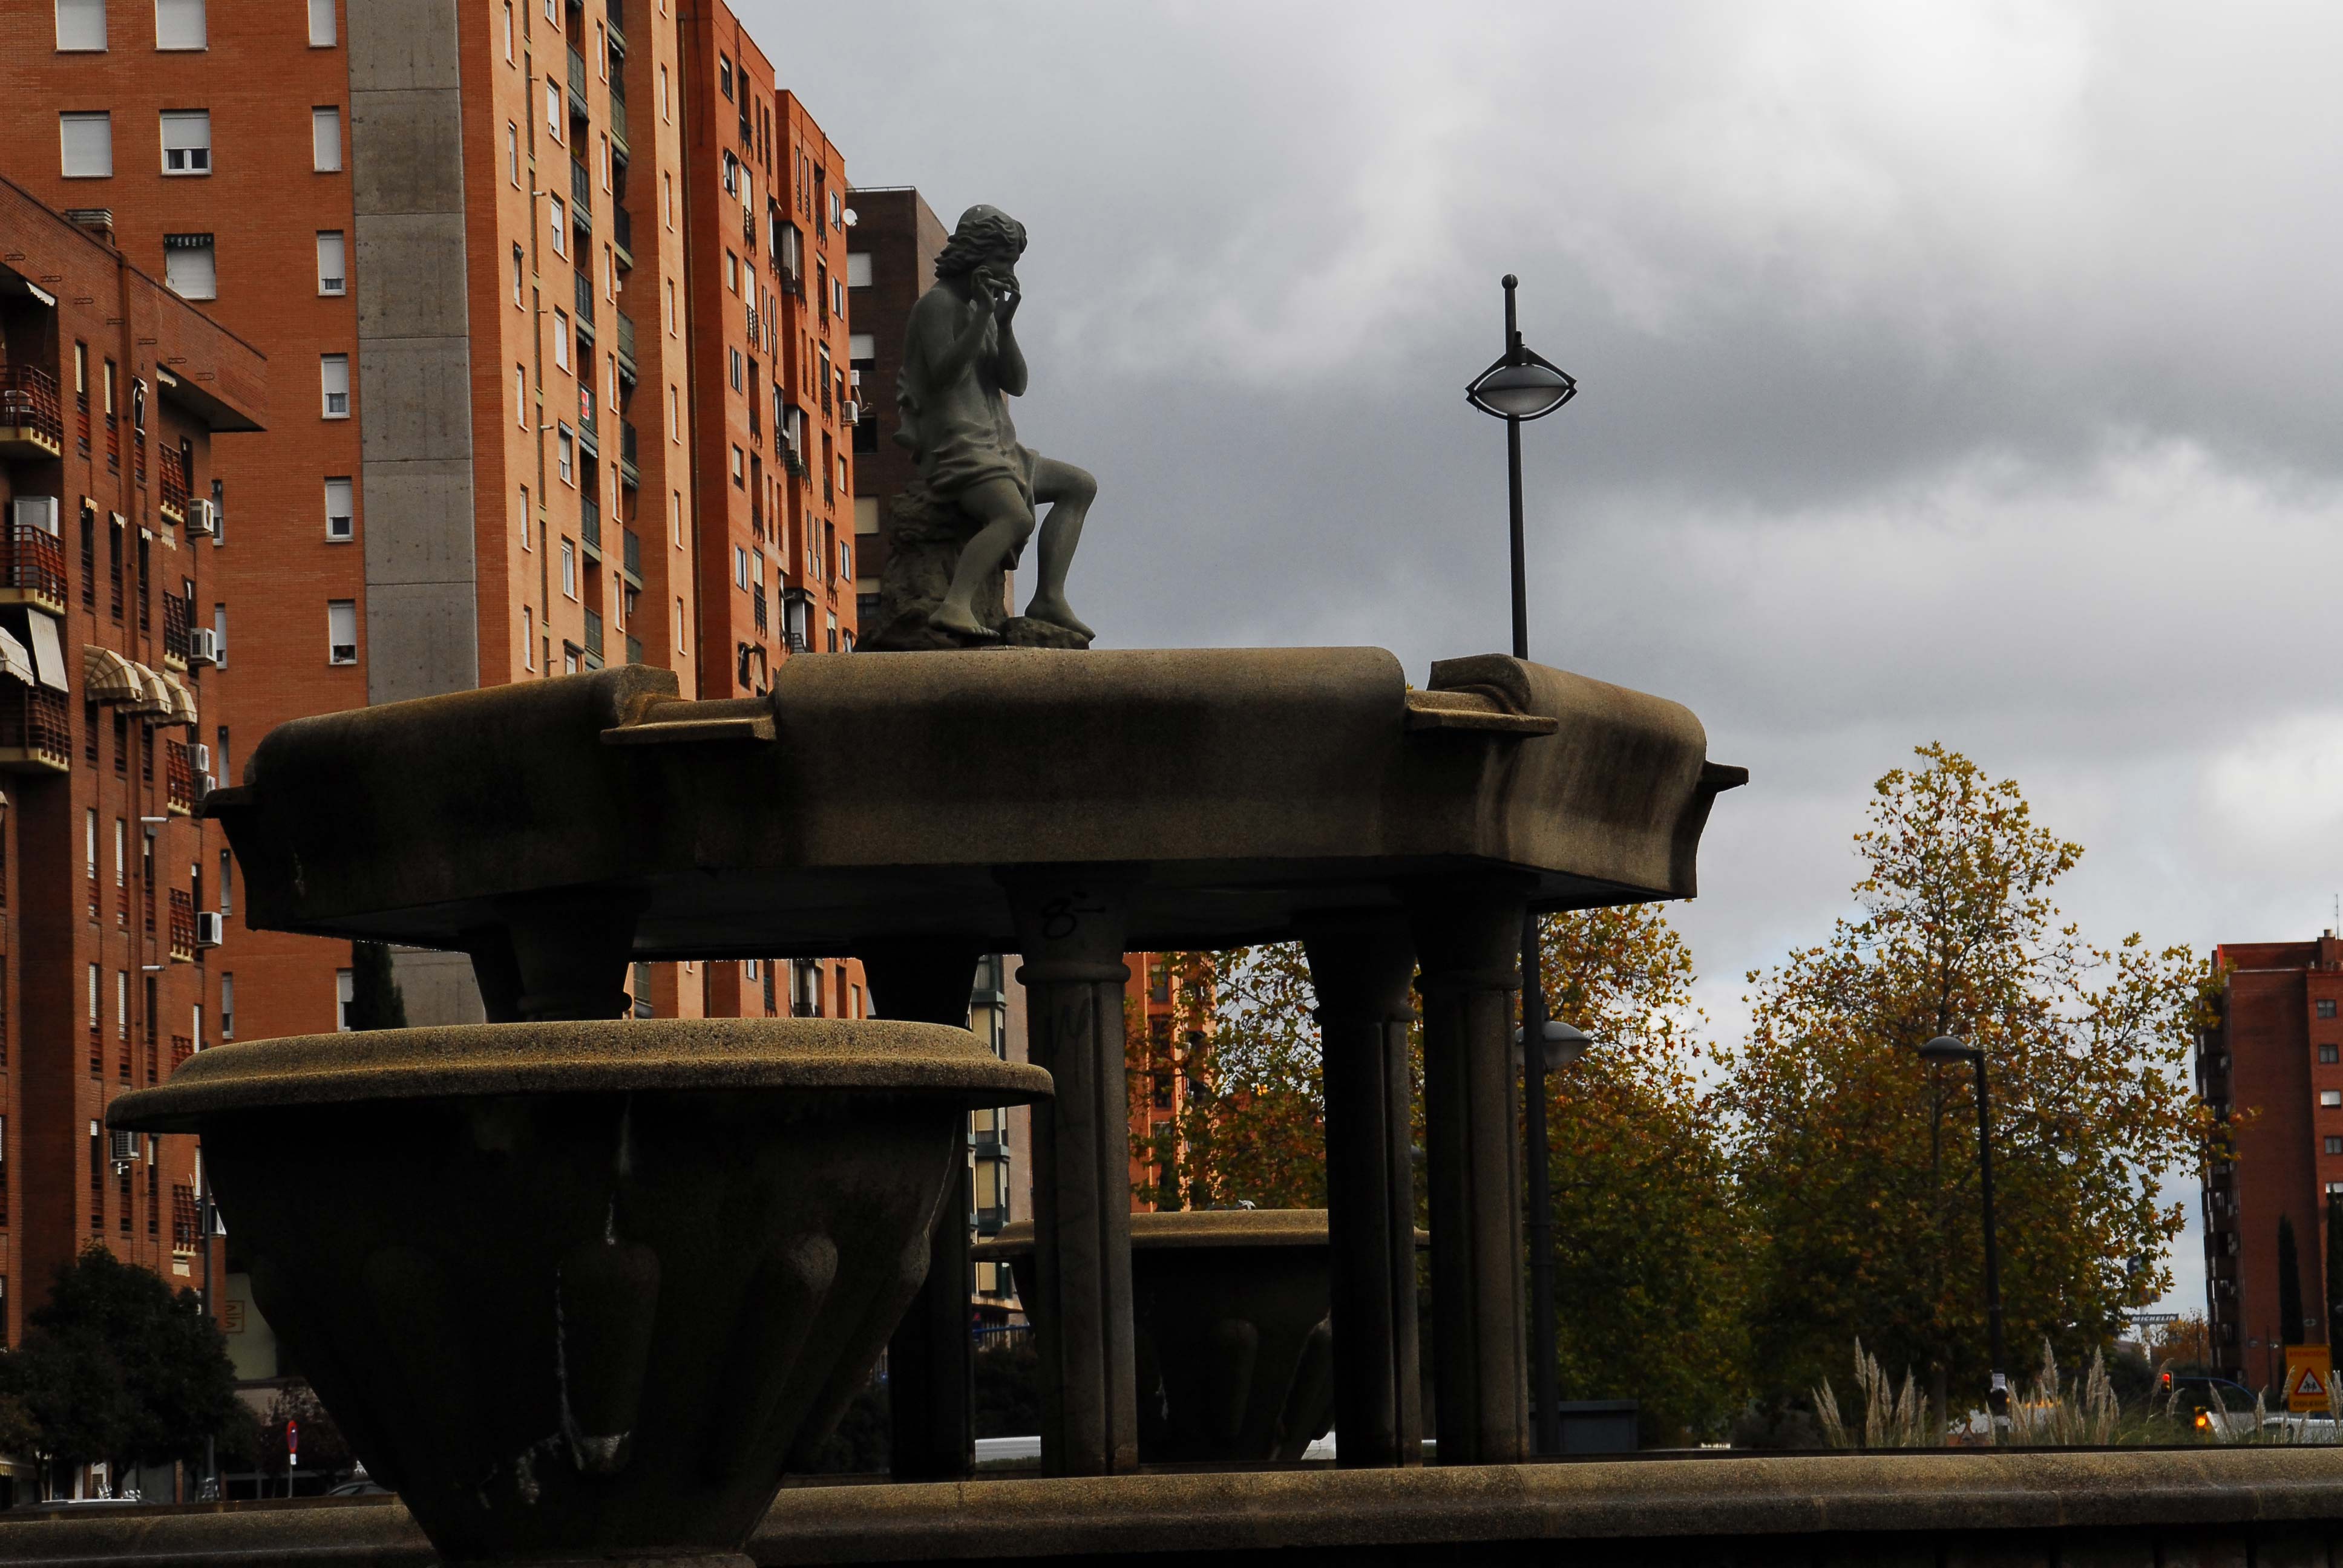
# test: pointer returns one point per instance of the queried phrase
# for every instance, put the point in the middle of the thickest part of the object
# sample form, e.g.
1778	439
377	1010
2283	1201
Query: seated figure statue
960	366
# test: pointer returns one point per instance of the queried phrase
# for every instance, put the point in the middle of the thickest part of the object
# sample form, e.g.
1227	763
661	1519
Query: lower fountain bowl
585	1291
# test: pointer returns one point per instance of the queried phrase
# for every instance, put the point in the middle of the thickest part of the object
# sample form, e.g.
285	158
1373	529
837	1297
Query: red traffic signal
2167	1378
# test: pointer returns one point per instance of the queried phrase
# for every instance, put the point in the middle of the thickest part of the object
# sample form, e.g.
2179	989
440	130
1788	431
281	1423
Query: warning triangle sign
2311	1387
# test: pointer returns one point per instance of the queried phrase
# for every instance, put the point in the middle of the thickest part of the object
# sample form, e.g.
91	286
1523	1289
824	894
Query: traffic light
2168	1377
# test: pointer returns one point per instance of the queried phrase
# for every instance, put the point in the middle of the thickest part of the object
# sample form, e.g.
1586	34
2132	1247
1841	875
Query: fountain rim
1182	1229
604	1056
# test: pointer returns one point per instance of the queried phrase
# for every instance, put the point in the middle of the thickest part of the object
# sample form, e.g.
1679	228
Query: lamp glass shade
1521	391
1946	1048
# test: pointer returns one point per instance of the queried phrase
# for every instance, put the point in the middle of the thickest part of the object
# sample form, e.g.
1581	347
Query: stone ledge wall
2193	1508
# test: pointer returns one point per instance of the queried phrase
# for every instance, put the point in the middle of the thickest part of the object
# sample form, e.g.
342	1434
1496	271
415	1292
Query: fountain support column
931	1365
1362	967
554	956
1468	935
1071	928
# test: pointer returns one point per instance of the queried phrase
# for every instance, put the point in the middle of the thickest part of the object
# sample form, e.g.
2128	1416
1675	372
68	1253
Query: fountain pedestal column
1362	967
1467	935
931	1365
1071	928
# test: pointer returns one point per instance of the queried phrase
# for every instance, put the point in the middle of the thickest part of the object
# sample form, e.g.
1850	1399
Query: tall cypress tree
376	1000
2289	1284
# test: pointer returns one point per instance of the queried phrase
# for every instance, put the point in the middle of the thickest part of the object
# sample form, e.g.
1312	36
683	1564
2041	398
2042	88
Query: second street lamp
1519	386
1943	1049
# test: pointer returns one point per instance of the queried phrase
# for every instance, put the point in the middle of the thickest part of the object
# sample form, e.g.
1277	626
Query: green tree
376	1000
119	1367
2291	1323
1859	1165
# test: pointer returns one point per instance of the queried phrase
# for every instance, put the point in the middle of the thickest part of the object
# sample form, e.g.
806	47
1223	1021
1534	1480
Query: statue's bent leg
1069	491
1004	523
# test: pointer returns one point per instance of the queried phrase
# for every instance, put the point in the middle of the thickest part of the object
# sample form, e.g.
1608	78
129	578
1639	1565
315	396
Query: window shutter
321	23
87	144
325	140
81	24
190	266
180	25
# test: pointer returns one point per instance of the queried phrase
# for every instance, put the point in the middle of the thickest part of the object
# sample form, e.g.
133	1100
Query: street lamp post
1947	1047
1519	386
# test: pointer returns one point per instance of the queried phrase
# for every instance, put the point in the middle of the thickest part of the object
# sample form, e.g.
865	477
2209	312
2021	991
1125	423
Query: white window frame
335	241
331	367
325	139
186	138
178	274
568	568
324	28
178	34
565	450
508	32
528	637
557	216
341	615
341	493
553	110
83	13
86	121
561	340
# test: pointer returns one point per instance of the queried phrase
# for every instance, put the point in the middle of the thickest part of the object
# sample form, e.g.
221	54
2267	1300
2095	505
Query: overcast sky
1960	373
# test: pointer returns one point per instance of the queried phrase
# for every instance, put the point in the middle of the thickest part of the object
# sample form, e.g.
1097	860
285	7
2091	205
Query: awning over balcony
182	701
17	659
108	677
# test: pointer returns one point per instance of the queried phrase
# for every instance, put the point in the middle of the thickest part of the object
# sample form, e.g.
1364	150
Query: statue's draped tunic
961	433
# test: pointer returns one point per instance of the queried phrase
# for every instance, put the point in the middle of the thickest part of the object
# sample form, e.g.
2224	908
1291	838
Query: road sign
2307	1372
292	1441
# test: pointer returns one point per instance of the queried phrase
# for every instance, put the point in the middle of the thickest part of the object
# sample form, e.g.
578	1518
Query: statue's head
986	237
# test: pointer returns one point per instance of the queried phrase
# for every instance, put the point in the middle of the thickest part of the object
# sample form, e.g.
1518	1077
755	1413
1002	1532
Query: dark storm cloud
1960	372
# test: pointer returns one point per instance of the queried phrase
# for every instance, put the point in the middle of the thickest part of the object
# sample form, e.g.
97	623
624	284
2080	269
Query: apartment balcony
182	1048
183	926
757	609
173	500
589	439
991	1220
581	203
30	425
622	237
634	649
590	526
176	613
32	567
618	26
627	471
625	341
179	779
578	86
35	737
594	637
617	118
630	557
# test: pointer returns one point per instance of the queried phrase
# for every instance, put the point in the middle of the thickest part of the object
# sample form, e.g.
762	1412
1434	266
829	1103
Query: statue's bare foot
1056	611
950	618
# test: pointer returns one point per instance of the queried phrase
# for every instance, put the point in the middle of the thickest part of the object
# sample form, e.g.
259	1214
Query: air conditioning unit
203	518
39	511
851	414
202	757
203	646
854	380
207	928
123	1147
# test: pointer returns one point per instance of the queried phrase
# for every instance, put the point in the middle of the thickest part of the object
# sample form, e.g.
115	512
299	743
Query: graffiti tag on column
1061	917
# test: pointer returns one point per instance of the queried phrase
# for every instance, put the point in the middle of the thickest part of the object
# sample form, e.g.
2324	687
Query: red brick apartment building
2276	1050
891	263
111	391
484	246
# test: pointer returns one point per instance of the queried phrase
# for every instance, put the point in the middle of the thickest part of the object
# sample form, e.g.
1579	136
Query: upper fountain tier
877	797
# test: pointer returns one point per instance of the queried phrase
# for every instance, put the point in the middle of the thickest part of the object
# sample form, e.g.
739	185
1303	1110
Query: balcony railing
176	613
618	120
35	735
631	557
622	235
594	633
183	926
756	604
32	567
626	341
173	500
30	424
589	526
577	85
617	26
182	1048
634	649
179	772
626	468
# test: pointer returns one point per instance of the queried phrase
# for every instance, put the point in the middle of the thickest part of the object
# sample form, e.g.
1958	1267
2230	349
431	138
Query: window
227	1006
670	307
680	646
674	418
861	346
664	113
87	146
524	517
527	637
667	196
333	372
333	262
675	518
191	265
81	24
520	396
2326	1053
605	165
557	217
724	73
325	140
739	568
519	265
739	470
568	568
178	24
735	368
857	269
731	272
553	110
2327	1009
341	515
566	448
219	648
509	33
2330	1099
2334	1146
341	631
561	339
345	992
187	141
512	154
321	23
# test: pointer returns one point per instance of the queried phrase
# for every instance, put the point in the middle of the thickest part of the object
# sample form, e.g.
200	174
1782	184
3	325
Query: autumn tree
1858	1164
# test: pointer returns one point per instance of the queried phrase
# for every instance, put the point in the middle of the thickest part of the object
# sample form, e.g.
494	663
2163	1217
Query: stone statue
962	364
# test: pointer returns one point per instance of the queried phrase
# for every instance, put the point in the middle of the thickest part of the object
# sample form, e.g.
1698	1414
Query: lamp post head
1947	1047
1564	1044
1520	385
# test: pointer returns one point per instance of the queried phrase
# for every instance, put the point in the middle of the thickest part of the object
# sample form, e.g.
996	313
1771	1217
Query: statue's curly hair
984	233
